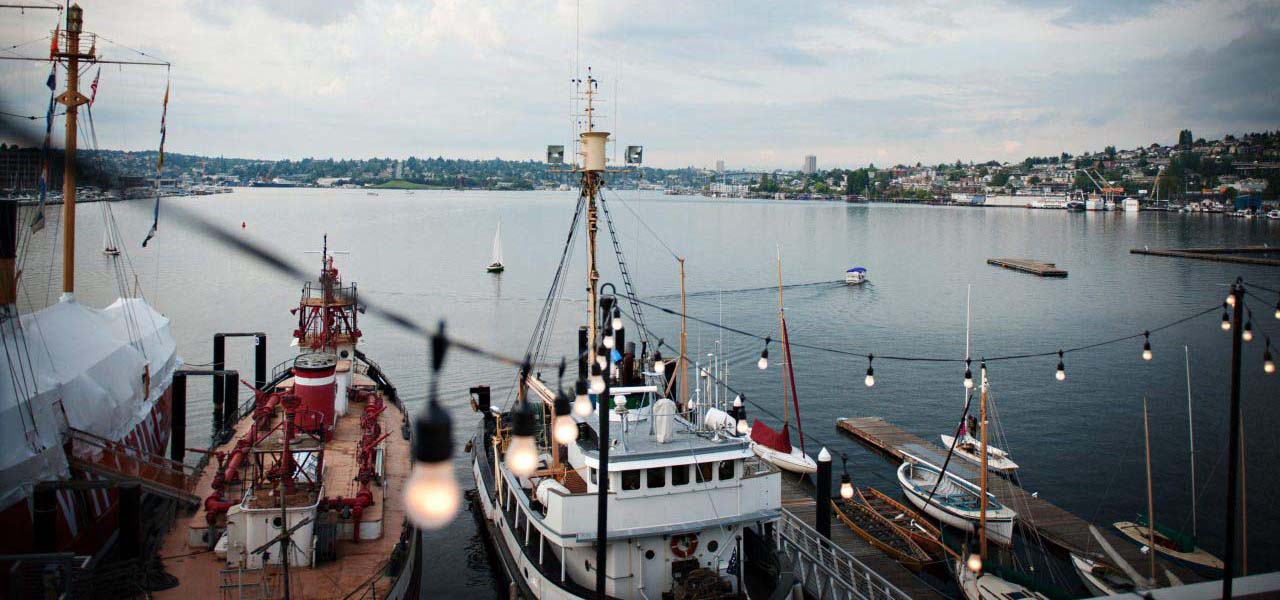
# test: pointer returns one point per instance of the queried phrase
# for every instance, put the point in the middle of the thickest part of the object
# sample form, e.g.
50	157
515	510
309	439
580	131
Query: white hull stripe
315	382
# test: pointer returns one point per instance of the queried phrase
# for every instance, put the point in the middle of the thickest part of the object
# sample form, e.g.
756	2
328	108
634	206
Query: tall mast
1151	511
593	161
782	324
72	98
1191	435
982	500
684	339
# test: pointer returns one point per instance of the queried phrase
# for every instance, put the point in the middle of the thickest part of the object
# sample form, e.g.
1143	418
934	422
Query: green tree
1000	179
1185	138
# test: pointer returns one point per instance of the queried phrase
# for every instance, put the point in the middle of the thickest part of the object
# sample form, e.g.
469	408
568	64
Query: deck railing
827	570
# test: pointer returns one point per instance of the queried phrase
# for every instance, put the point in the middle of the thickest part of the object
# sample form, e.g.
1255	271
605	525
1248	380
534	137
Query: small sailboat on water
775	446
496	265
963	443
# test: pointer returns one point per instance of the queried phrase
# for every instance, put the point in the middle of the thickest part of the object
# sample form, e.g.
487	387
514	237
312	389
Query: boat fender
684	545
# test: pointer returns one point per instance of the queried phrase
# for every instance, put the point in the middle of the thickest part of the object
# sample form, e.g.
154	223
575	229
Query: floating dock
797	499
1026	265
1055	525
1231	255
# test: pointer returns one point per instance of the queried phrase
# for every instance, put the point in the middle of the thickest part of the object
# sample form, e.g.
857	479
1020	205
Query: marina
1026	265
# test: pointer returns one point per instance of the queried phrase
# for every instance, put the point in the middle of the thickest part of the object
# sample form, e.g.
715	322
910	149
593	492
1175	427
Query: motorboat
855	276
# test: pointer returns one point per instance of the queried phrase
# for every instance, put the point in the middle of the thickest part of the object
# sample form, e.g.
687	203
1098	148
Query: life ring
684	545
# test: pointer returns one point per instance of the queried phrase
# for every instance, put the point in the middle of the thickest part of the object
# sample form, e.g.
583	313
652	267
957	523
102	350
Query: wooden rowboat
922	531
880	533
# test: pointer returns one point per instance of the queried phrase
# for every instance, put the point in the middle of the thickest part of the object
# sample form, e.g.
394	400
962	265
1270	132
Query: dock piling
822	495
178	417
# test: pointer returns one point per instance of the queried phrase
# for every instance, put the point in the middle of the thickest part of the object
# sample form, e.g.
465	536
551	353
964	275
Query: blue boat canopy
857	270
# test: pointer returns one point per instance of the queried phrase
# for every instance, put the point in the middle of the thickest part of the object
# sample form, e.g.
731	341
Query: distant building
810	164
720	166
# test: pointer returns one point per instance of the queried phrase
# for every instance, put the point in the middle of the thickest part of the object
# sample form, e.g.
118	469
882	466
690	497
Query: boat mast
684	339
782	323
982	479
1151	517
593	158
1191	435
72	99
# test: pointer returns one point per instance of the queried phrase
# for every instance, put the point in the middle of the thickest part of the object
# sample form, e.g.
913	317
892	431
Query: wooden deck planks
1027	265
797	498
1054	524
1231	255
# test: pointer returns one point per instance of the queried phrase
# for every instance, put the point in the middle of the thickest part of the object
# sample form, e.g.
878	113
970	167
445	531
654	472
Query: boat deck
1027	265
200	571
1054	524
797	499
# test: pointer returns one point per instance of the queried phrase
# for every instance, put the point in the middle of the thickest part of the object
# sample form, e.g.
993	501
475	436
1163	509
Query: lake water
1079	442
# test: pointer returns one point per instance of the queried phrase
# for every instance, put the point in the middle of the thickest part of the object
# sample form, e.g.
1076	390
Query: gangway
118	462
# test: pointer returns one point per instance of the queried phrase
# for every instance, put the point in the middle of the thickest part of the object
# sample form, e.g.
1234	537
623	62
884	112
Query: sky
756	84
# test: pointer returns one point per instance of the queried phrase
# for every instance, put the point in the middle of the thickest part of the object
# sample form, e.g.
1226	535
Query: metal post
178	417
231	400
583	355
45	517
260	361
602	490
129	519
8	253
822	495
219	364
1233	439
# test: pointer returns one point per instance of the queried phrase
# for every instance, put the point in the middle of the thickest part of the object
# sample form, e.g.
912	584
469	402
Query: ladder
636	313
116	461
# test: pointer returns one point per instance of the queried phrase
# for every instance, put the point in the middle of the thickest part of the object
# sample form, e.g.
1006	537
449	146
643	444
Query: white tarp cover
664	420
73	366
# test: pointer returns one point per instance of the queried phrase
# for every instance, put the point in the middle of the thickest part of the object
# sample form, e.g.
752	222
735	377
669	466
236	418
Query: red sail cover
777	440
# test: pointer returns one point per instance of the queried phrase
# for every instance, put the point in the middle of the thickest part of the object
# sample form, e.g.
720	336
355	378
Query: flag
155	218
93	94
37	220
53	46
732	569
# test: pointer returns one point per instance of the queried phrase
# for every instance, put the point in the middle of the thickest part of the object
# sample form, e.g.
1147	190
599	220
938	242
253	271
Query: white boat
989	586
970	449
1101	578
855	275
1171	544
496	265
1131	205
1274	215
795	461
955	502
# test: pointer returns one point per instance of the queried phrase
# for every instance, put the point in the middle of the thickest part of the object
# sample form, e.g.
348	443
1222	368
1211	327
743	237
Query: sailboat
775	446
496	266
966	446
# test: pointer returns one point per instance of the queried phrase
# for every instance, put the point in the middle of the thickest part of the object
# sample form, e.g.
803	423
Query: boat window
592	473
726	469
631	480
680	475
705	471
657	477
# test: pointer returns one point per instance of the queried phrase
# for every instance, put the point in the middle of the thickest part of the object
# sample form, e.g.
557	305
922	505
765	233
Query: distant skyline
759	85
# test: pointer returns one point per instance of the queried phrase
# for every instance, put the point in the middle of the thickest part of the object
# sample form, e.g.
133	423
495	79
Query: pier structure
1228	255
1027	265
1055	525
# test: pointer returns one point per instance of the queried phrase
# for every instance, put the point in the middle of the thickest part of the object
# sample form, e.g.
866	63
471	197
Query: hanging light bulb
659	366
870	379
743	429
522	453
968	376
597	380
581	402
566	430
608	338
617	319
431	495
1247	334
1268	366
1278	309
1231	300
846	486
1061	374
1146	345
1226	320
763	363
974	563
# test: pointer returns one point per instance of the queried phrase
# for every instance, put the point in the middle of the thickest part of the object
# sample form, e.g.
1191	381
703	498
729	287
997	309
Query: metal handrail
840	567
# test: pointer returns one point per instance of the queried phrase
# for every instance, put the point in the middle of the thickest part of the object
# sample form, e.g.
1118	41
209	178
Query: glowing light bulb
870	379
597	384
1061	374
608	341
1226	323
742	427
1231	300
968	379
522	455
566	430
1268	367
432	495
974	563
1247	334
846	487
582	403
1146	353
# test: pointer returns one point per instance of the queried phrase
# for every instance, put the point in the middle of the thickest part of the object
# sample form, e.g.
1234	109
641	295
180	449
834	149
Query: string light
870	379
1278	309
617	319
968	376
566	430
597	380
974	563
1268	366
582	403
1146	345
1231	300
846	483
1226	320
608	337
763	363
522	453
1061	374
659	367
432	495
1247	334
740	414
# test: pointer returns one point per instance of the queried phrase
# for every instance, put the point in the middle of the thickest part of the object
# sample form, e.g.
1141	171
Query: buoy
241	224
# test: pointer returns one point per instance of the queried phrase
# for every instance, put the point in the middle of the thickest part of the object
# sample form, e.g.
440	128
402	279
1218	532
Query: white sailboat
967	446
496	266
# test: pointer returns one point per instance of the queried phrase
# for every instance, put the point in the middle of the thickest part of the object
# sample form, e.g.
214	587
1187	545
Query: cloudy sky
758	84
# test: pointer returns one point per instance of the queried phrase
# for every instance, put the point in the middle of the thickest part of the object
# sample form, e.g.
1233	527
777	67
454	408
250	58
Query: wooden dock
1231	255
1057	526
797	498
1026	265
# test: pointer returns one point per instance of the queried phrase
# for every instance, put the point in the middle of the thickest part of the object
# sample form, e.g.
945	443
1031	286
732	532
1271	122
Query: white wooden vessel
795	461
970	449
956	501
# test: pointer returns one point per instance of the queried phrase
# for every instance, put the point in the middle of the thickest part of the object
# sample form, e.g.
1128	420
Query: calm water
1079	441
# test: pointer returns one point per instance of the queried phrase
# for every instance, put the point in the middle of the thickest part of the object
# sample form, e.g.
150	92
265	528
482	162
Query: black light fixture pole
1233	442
602	474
